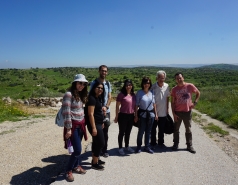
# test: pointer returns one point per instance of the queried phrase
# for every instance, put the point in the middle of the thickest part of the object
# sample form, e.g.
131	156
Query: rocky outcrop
41	102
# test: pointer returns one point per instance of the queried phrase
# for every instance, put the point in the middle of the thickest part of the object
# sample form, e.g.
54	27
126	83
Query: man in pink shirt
182	105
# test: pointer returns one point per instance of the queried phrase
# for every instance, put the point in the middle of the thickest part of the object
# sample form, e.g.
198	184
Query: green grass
11	112
218	85
211	128
220	103
7	132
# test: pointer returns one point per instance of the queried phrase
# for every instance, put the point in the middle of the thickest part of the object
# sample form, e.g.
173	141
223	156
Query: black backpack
169	126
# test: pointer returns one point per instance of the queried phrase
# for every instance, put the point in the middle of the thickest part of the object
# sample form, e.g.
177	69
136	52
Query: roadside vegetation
13	112
211	128
218	84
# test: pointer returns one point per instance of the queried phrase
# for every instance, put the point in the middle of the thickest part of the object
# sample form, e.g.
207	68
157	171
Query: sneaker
191	149
121	151
149	150
69	176
79	170
138	150
175	147
106	154
100	162
129	149
152	147
97	167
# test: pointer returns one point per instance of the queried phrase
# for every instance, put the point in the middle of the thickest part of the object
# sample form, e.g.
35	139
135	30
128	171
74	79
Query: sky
88	33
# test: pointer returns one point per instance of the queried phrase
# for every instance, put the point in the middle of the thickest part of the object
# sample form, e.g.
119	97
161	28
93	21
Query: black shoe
161	145
100	162
175	147
191	149
97	167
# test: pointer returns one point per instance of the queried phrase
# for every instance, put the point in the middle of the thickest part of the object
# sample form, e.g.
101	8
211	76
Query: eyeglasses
100	88
82	83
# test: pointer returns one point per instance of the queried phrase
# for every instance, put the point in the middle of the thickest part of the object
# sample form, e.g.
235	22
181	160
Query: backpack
169	126
59	119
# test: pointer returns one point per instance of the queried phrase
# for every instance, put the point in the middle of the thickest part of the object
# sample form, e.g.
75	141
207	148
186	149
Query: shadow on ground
43	176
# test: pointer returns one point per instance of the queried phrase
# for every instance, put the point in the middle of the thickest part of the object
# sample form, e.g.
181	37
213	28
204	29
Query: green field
218	84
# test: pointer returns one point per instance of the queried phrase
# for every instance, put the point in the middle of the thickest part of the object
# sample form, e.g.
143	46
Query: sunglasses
146	83
100	88
82	83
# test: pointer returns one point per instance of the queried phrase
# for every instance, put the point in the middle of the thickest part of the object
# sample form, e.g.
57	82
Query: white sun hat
80	78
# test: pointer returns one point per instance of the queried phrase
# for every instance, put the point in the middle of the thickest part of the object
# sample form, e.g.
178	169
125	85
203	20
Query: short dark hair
178	73
101	66
123	89
144	80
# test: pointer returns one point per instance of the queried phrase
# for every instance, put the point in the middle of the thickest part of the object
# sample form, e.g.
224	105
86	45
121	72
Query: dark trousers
105	132
74	159
160	124
98	140
125	122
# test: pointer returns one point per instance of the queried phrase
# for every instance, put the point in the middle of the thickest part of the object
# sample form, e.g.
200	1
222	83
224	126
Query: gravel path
32	153
210	165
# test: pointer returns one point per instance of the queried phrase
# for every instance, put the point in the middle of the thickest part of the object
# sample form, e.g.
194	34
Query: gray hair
160	73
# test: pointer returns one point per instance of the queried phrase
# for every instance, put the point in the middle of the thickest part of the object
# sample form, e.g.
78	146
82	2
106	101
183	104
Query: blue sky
68	33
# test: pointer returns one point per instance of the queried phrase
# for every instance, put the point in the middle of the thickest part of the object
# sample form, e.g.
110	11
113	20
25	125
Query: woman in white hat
74	122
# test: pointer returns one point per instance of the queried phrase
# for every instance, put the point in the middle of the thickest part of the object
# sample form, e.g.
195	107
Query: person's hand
175	117
104	110
115	120
68	134
94	132
103	126
156	118
135	119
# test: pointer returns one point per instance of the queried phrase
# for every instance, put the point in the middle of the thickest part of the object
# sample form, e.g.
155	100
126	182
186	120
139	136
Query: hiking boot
97	167
79	170
69	176
129	149
191	149
175	147
121	151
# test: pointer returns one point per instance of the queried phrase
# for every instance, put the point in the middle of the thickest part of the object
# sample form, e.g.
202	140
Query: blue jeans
145	127
74	159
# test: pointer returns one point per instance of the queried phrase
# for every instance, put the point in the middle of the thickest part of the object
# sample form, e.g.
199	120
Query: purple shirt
128	103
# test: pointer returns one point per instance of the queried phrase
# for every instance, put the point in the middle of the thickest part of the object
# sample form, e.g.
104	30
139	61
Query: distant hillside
222	66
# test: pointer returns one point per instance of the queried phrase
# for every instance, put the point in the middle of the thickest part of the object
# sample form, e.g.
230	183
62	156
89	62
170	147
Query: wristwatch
107	107
195	103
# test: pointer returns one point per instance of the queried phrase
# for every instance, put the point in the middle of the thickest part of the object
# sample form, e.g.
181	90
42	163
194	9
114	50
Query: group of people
148	108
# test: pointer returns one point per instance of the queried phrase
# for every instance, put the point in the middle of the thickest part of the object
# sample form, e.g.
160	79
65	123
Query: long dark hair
92	91
79	95
144	80
123	89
